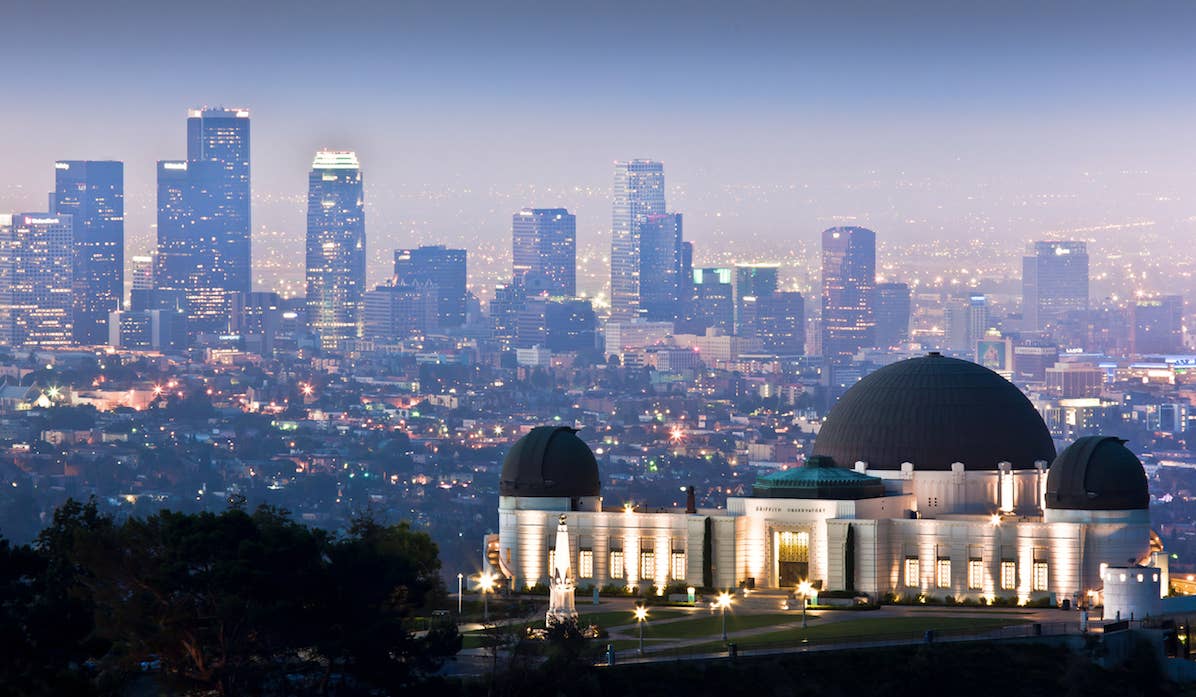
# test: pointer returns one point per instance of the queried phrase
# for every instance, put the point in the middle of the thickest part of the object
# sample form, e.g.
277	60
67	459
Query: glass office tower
93	194
544	244
335	248
204	249
637	194
848	283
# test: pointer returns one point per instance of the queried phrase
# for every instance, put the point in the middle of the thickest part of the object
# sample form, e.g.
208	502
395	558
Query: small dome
550	461
819	478
934	411
1097	473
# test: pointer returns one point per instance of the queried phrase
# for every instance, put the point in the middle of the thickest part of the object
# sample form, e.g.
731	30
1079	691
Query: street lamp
460	592
486	585
641	615
803	589
724	602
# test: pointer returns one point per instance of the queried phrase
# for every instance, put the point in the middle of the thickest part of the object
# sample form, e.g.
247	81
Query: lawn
879	628
616	618
712	625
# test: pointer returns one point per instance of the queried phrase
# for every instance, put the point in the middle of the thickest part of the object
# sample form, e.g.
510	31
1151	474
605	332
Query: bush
538	589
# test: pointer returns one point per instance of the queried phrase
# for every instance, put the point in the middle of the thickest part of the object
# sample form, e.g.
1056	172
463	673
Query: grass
618	618
712	625
864	629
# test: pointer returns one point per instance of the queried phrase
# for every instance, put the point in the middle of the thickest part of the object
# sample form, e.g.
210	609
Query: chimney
691	505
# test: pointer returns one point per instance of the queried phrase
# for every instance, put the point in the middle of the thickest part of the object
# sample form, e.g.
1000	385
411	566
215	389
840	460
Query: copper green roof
819	478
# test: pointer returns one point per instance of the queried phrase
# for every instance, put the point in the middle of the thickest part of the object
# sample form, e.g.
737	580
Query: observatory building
932	476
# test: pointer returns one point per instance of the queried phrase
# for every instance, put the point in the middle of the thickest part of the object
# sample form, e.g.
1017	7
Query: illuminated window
975	574
616	565
942	573
912	572
679	566
648	565
1008	575
585	563
1040	576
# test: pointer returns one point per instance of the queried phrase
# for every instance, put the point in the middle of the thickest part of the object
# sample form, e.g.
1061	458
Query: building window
975	574
648	565
912	572
942	573
585	563
1008	575
616	564
1041	576
678	566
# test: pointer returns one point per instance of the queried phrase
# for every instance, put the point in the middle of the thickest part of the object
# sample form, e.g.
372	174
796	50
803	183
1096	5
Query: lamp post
486	584
460	593
803	589
724	602
641	615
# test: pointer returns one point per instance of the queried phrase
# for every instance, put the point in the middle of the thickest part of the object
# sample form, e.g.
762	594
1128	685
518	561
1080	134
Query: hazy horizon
924	121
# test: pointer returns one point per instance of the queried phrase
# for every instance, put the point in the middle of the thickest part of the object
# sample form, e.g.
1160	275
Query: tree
379	575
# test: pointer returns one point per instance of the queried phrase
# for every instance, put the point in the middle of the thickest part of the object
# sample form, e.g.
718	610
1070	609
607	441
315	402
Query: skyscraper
143	273
848	280
221	137
777	319
712	305
638	193
335	248
93	194
36	280
891	312
544	243
753	281
444	267
203	220
660	267
1158	325
1054	282
966	321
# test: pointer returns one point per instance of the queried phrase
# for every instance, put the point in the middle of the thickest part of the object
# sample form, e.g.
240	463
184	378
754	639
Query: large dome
1097	473
550	461
934	411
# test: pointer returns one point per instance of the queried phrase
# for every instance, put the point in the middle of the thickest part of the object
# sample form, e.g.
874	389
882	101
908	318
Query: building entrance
793	558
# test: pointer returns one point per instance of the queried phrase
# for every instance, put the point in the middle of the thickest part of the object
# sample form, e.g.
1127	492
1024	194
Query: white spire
561	583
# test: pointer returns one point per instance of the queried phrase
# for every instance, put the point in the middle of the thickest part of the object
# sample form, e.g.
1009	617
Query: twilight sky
922	119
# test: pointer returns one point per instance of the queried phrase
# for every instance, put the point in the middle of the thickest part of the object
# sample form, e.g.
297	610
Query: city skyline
949	155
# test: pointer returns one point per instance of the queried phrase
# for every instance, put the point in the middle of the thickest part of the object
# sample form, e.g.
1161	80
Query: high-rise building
1054	282
335	248
777	319
1158	325
712	305
397	312
203	220
638	193
446	268
143	272
660	267
848	286
221	137
544	243
753	281
891	312
93	194
36	279
569	325
966	321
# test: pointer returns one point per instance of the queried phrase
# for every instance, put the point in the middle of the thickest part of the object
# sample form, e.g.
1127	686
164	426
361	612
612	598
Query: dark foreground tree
231	603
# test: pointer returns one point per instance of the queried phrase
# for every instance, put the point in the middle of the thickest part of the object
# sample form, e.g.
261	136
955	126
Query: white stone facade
964	534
